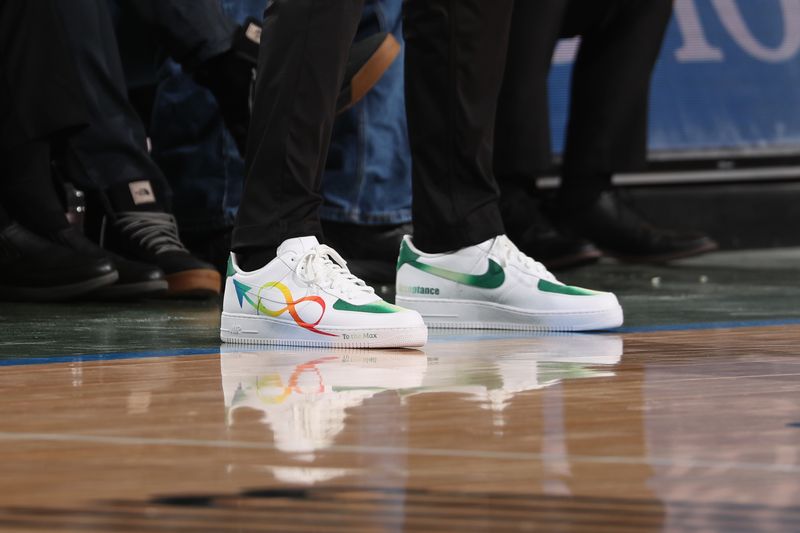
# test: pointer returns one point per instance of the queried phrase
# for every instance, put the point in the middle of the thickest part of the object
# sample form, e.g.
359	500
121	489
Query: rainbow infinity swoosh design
242	291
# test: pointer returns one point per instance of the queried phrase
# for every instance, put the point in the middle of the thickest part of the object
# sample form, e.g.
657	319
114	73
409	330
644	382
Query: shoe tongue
298	245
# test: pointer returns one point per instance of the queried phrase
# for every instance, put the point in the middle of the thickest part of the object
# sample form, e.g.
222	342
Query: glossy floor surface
134	418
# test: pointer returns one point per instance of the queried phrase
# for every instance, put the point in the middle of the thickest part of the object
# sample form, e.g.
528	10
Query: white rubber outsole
470	314
248	329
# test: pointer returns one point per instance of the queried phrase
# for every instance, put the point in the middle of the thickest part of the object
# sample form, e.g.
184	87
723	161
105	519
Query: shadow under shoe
620	232
35	269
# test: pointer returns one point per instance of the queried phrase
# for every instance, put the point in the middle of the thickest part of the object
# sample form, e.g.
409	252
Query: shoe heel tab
233	267
407	252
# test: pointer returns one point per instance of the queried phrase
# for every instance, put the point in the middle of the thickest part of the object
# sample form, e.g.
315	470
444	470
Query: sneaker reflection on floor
304	397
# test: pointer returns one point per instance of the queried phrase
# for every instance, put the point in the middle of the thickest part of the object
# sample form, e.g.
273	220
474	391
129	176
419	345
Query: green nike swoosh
491	279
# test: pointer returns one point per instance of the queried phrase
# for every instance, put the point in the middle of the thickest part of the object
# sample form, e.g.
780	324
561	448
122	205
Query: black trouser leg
522	149
5	218
27	188
40	94
113	148
304	50
607	129
455	56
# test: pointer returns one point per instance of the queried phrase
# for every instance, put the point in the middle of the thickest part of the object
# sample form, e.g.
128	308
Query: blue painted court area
718	291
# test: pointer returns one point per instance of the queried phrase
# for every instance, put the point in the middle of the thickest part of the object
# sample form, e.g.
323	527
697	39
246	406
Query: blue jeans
368	175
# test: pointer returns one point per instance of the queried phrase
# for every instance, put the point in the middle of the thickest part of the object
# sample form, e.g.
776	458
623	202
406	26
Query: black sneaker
370	251
622	233
136	280
532	232
153	238
139	229
34	269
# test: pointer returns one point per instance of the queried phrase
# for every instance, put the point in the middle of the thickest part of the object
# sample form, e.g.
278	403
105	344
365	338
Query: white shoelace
324	267
508	253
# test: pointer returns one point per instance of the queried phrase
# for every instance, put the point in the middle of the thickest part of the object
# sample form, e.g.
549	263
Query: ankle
255	259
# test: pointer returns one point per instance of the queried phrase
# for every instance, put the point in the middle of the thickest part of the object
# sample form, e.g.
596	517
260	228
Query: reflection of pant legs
192	31
522	137
455	56
112	149
607	129
368	173
588	414
304	50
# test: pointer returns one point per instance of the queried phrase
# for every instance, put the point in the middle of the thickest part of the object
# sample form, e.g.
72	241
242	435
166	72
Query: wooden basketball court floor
132	417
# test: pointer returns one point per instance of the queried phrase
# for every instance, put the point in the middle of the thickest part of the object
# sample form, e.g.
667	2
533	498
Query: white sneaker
495	286
307	297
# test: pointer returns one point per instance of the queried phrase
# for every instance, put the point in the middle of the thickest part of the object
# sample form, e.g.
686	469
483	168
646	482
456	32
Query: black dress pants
607	129
304	50
40	101
455	57
113	148
40	94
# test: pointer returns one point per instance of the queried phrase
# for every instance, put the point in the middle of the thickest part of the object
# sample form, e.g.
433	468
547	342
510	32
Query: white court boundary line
384	450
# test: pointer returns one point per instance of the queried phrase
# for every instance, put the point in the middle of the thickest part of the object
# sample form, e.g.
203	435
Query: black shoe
152	237
535	236
136	280
136	227
371	251
623	234
369	60
33	268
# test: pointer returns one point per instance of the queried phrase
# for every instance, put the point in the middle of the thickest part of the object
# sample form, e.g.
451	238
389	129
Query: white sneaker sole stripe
248	329
471	314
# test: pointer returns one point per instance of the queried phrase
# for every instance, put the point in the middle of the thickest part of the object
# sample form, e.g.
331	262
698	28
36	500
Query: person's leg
454	66
522	150
112	150
283	287
40	98
36	102
607	130
129	195
460	270
522	136
366	187
28	181
304	49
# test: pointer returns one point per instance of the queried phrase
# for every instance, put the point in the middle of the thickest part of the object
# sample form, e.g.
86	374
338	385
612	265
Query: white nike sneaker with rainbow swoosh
307	297
493	285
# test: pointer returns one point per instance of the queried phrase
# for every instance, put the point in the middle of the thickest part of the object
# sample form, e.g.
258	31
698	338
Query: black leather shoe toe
33	268
622	233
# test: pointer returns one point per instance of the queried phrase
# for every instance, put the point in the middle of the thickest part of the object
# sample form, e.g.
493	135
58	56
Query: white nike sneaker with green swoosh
493	285
307	297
